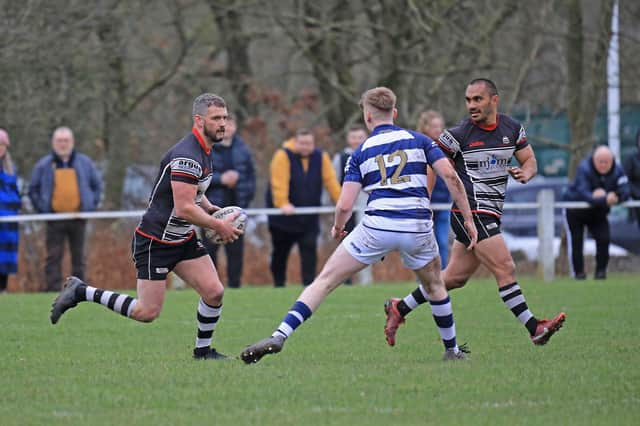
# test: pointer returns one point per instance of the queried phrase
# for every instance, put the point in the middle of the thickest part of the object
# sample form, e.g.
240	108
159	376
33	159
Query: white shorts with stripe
368	246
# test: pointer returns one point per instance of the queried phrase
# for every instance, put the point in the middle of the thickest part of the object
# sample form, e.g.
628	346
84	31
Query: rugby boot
66	299
547	328
208	353
394	320
451	355
270	345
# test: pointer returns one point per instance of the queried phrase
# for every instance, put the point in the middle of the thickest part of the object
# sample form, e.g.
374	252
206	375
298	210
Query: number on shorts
395	177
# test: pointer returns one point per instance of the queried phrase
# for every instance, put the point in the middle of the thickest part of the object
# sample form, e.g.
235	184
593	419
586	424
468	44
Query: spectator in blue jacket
233	184
9	206
601	182
431	123
632	170
64	181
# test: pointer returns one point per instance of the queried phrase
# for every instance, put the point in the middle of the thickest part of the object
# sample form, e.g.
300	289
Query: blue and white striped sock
443	316
298	314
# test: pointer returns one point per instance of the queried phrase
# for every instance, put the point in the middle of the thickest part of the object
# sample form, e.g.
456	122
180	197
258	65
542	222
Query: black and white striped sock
120	303
514	299
208	317
416	298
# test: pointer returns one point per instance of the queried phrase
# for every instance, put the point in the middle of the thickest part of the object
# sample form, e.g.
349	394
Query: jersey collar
201	141
490	126
382	128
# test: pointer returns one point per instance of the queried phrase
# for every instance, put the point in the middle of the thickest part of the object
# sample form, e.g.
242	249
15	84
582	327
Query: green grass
98	368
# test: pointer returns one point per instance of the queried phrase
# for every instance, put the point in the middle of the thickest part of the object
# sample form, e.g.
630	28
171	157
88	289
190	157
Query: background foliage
123	73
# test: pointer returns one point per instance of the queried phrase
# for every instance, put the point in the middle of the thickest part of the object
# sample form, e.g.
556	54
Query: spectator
355	136
431	123
233	184
298	171
9	206
64	181
632	170
600	182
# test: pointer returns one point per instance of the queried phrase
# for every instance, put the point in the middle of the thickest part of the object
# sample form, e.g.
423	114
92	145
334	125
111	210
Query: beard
214	137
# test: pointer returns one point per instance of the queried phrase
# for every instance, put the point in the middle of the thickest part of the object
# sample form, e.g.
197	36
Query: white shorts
368	246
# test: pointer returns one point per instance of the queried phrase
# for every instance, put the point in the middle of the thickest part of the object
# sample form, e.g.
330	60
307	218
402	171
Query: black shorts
154	260
487	225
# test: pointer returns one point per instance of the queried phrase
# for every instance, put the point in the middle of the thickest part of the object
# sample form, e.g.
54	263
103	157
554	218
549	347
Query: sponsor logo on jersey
186	165
493	163
355	247
505	140
476	143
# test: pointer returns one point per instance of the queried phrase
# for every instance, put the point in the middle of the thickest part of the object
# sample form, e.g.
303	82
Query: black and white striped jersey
481	156
188	161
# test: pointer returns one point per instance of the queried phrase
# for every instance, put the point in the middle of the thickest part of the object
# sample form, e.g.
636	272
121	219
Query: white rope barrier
123	214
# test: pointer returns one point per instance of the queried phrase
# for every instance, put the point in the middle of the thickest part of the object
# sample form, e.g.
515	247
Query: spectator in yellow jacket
298	172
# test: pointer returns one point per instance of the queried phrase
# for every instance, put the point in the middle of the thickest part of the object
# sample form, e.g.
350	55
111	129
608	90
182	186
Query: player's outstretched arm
445	170
528	165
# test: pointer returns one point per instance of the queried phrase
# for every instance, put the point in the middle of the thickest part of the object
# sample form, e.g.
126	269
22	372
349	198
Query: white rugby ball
240	222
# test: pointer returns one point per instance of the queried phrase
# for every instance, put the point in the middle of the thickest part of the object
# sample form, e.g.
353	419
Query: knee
146	313
452	281
213	295
455	282
509	267
506	271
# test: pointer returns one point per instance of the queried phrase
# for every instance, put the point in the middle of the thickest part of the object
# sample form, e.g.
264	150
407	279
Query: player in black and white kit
481	148
165	240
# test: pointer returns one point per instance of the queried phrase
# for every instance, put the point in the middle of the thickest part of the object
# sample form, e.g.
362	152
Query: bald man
601	182
64	181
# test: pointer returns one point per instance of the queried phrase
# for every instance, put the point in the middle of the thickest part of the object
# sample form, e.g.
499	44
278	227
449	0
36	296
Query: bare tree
586	67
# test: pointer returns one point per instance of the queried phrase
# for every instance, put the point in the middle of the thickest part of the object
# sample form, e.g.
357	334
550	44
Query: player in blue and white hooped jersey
391	166
165	239
481	149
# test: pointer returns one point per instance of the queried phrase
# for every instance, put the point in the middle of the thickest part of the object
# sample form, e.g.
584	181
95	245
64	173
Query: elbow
182	212
343	208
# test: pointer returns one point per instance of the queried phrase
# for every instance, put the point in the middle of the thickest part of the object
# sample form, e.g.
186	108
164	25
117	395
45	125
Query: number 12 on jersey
395	177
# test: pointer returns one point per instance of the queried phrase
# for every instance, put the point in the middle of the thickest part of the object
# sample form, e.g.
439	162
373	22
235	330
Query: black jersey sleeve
521	140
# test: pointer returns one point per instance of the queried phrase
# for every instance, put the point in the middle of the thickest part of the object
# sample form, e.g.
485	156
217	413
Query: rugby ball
240	222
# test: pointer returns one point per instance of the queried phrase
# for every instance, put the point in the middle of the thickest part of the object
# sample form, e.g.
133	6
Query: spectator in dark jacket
632	169
601	182
9	206
64	181
233	184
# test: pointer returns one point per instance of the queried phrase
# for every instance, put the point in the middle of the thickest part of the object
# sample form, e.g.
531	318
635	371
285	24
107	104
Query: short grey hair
204	101
62	129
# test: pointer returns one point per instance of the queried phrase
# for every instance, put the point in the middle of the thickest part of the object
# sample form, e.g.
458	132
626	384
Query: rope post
546	257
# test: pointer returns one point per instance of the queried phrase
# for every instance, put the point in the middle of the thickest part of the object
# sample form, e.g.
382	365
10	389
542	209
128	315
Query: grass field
97	368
